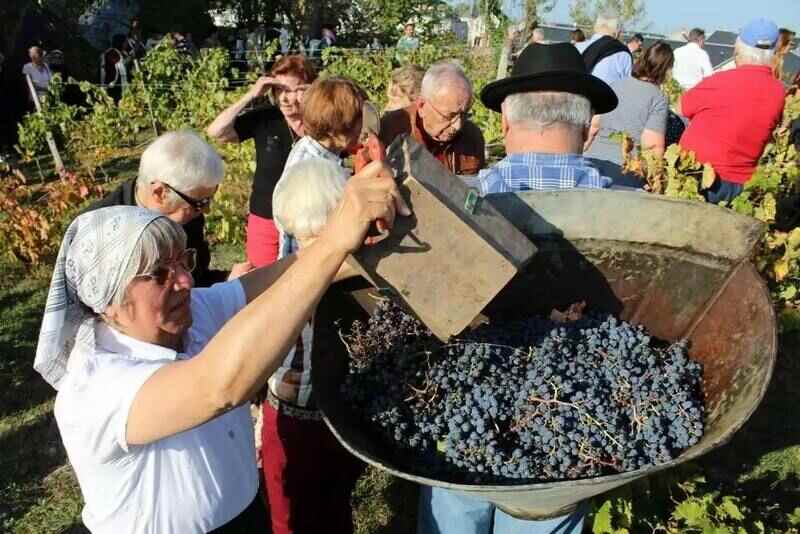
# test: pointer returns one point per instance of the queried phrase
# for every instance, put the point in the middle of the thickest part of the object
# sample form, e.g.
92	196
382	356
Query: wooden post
505	54
50	141
147	97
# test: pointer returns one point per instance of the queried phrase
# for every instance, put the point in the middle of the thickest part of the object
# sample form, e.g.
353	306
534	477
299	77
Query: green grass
39	494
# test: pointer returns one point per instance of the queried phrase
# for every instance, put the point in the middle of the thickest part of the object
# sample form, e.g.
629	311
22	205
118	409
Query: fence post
147	97
51	143
502	62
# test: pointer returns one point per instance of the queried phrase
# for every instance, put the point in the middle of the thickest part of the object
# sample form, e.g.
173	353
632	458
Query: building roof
722	37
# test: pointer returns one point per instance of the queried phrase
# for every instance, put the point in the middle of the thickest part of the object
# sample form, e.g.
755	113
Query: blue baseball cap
760	33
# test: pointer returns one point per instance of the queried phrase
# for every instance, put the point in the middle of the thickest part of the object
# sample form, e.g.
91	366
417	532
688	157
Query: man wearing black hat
547	104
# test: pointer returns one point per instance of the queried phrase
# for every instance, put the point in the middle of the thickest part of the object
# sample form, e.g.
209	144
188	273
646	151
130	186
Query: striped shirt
533	171
292	381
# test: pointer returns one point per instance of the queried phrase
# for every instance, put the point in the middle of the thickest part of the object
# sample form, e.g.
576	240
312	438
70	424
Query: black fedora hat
551	67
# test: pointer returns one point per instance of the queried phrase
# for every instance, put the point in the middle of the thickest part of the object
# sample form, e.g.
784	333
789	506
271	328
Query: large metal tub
679	268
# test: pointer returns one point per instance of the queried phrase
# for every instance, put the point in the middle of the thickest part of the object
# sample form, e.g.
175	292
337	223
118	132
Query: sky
666	16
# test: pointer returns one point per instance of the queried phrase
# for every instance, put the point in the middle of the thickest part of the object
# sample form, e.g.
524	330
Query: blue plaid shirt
533	171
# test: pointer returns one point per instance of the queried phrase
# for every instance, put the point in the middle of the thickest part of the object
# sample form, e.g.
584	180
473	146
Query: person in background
135	40
328	36
692	63
309	475
546	106
577	36
38	71
184	43
332	122
178	175
784	46
153	41
732	114
635	43
605	56
404	87
641	114
439	120
275	129
114	67
537	36
297	488
408	41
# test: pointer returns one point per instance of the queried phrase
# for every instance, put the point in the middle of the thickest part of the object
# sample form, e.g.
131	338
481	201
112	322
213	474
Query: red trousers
262	241
308	476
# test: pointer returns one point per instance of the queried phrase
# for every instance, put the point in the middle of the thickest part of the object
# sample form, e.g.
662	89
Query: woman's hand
369	195
261	86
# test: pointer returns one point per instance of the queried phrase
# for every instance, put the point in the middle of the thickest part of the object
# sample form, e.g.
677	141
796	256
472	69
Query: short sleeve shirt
273	139
191	482
39	76
642	106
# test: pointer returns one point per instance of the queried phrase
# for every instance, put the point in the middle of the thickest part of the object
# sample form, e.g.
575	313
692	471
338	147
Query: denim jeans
722	191
445	512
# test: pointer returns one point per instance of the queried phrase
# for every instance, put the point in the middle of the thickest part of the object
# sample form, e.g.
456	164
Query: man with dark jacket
178	175
439	120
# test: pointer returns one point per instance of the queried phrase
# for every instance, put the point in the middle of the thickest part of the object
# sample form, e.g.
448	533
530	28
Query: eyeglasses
187	261
297	90
463	115
196	204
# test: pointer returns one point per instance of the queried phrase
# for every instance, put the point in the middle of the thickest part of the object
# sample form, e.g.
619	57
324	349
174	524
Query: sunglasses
187	261
196	204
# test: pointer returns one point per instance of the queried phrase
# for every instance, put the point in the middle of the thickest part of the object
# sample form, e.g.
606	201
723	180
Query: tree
632	13
535	9
362	20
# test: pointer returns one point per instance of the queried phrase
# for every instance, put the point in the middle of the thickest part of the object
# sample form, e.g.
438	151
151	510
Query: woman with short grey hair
154	377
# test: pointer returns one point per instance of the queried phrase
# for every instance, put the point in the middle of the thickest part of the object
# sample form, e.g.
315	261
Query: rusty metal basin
679	268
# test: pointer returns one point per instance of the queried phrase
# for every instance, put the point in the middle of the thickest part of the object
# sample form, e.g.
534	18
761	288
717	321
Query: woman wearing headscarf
153	377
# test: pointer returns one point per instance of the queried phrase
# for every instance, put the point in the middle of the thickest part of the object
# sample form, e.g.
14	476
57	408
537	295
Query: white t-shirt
191	482
692	64
39	76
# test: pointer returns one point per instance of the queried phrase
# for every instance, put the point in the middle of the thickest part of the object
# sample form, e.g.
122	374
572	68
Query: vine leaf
709	176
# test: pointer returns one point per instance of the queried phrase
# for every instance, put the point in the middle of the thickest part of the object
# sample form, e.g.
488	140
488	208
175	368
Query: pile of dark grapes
525	400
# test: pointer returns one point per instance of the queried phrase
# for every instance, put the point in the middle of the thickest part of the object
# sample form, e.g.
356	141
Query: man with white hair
733	113
439	120
178	175
546	105
692	63
604	54
38	71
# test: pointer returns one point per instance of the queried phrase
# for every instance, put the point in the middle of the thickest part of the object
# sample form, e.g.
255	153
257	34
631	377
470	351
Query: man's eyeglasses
463	115
187	261
197	204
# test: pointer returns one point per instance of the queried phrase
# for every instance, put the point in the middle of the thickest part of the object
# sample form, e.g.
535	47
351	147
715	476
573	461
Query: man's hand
239	269
369	195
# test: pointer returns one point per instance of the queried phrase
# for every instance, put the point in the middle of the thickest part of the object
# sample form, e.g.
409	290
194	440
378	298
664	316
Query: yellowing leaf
709	176
781	269
672	154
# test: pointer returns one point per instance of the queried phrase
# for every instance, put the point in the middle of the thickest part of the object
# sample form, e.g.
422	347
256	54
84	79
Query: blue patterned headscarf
88	272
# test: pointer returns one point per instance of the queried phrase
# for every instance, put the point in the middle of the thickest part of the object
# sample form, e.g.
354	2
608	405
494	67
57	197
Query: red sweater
732	115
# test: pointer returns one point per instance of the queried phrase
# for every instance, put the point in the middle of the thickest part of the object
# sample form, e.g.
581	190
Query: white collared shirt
191	482
692	64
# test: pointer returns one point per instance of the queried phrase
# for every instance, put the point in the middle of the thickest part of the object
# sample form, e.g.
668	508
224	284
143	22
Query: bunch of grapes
525	400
